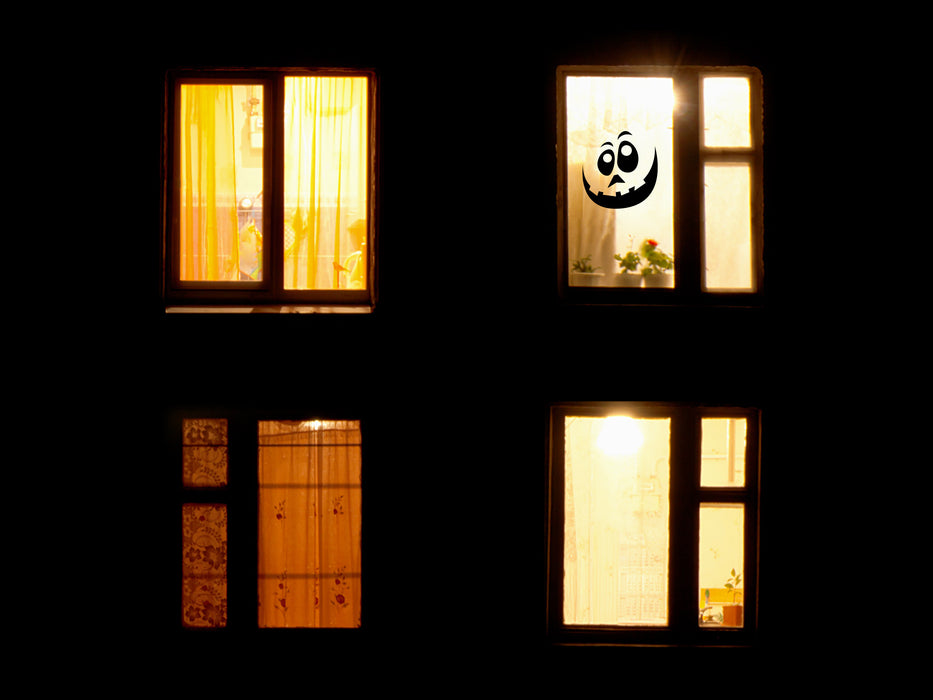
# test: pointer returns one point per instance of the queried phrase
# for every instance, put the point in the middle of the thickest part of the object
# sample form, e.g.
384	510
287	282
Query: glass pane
726	109
620	226
204	565
616	523
309	523
723	452
204	452
727	229
220	176
722	561
326	182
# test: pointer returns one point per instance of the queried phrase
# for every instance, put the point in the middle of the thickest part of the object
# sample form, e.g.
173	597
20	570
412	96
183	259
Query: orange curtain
309	524
326	165
208	217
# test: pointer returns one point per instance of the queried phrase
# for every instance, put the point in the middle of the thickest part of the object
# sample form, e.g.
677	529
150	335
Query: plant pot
660	280
627	279
733	615
586	279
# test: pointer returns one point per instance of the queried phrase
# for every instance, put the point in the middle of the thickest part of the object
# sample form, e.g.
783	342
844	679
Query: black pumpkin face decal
624	182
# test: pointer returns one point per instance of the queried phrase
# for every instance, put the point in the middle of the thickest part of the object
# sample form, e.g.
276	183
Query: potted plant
583	274
628	263
658	265
733	614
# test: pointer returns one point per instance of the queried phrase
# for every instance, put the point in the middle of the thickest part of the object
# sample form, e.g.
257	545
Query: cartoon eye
605	162
628	157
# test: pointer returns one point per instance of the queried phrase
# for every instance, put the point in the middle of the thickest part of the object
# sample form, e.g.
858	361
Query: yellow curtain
326	142
208	217
309	524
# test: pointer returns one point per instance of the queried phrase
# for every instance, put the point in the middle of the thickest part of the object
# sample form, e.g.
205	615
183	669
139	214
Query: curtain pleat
208	217
326	143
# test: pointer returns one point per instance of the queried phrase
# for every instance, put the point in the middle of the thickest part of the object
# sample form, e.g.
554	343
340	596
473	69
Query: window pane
326	182
204	452
616	532
204	565
723	452
309	523
727	230
726	109
722	561
620	180
220	176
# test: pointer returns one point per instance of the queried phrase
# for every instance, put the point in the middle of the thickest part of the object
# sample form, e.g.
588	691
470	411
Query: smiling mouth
623	200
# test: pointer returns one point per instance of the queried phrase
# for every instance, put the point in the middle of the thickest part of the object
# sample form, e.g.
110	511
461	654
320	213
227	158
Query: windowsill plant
628	264
658	265
583	274
733	615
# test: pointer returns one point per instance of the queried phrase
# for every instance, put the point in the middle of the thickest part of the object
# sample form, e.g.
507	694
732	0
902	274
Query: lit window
660	184
652	523
204	524
309	524
307	531
269	190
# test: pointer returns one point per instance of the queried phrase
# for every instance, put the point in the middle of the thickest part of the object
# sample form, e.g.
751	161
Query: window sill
283	309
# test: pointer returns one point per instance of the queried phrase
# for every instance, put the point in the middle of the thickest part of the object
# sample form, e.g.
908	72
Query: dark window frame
241	497
686	497
270	292
690	155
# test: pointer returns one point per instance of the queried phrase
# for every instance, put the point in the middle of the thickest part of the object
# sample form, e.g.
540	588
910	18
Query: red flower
652	242
340	598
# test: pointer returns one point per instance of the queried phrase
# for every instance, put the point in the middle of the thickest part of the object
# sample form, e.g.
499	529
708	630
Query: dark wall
454	370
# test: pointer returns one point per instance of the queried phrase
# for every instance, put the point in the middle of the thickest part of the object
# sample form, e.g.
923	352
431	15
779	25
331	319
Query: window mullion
684	538
688	184
275	184
242	523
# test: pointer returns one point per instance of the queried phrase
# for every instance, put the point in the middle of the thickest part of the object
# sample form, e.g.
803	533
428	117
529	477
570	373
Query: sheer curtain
616	533
598	109
326	145
309	524
208	217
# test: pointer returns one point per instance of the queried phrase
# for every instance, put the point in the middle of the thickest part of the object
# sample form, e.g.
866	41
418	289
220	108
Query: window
305	523
659	177
653	524
269	190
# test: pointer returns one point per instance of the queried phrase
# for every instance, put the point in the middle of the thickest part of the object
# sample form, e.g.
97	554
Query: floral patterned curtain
309	523
204	525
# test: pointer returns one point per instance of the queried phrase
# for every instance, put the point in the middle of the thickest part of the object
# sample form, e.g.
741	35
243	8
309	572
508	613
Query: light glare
620	436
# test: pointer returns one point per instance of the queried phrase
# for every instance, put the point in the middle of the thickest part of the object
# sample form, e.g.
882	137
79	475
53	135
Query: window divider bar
688	185
685	521
242	523
275	159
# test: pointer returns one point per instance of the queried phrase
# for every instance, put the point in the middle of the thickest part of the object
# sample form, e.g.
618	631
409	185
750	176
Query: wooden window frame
690	156
269	294
686	497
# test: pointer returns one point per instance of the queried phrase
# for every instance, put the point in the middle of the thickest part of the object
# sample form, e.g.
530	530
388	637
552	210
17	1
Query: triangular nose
615	179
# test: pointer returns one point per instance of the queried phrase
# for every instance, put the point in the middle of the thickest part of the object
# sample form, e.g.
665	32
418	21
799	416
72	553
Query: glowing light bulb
619	436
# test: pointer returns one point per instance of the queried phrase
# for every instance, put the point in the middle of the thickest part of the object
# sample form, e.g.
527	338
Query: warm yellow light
620	436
